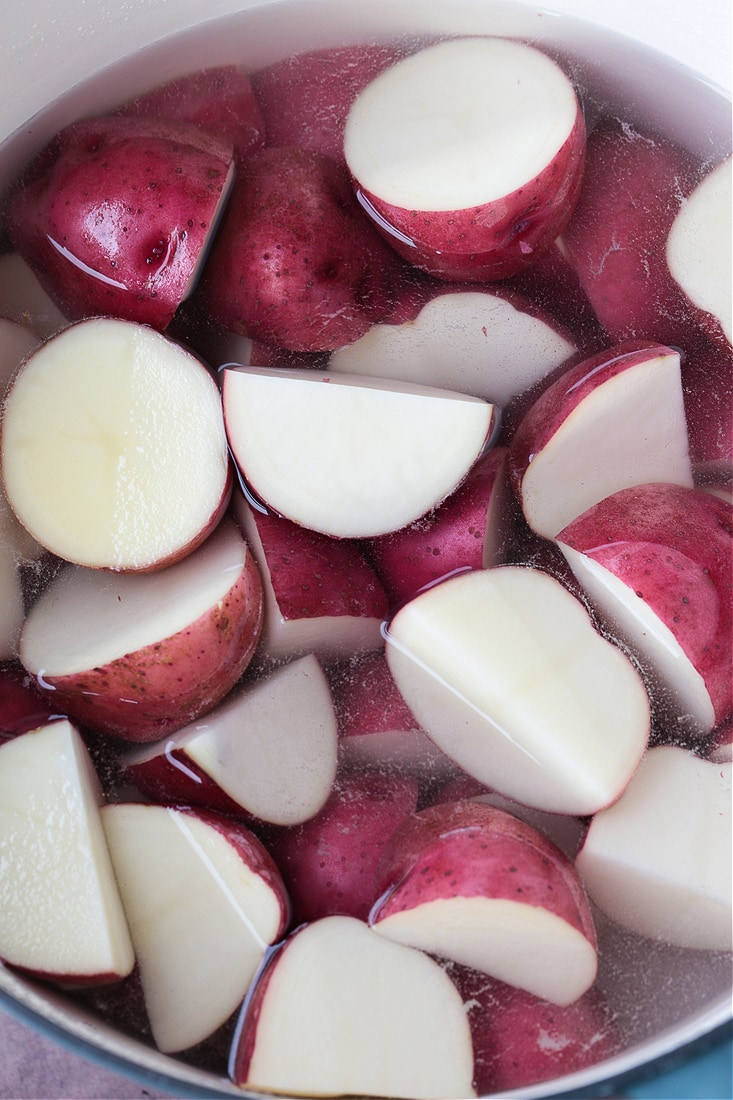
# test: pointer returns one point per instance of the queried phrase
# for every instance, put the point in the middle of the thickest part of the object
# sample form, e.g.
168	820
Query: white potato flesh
467	341
86	618
200	918
113	446
643	631
349	456
345	1012
272	747
699	242
524	945
459	124
61	910
629	430
659	861
506	672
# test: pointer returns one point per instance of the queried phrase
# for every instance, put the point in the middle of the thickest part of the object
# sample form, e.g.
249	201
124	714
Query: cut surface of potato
113	447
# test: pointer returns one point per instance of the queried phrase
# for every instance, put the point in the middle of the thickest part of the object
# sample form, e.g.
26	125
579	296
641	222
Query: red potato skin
376	727
459	534
552	407
707	387
472	849
495	240
674	546
161	687
305	99
114	214
520	1039
367	699
295	265
633	188
552	284
329	863
315	576
220	101
172	776
22	706
245	1034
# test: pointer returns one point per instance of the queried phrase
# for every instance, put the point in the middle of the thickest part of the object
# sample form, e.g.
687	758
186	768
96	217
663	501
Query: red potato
62	915
203	901
391	451
520	1040
698	252
658	861
633	187
22	706
268	752
305	99
321	595
219	347
552	284
395	1023
122	1006
565	832
707	384
115	215
468	155
329	863
470	530
376	727
655	561
219	101
618	417
25	301
295	264
114	454
467	340
506	672
469	882
16	545
139	656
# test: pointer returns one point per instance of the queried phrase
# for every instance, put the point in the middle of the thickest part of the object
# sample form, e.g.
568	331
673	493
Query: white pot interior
668	996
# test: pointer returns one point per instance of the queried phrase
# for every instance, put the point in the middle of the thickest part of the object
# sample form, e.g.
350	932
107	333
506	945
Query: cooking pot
665	61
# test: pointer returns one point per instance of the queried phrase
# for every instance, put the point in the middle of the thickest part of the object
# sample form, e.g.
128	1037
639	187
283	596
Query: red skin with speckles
707	386
471	849
305	99
22	706
315	583
520	1039
674	547
295	264
220	101
470	530
497	239
114	215
161	687
329	863
633	187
